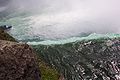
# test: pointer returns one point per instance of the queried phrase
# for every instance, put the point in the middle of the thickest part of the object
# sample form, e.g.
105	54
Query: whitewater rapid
53	29
39	20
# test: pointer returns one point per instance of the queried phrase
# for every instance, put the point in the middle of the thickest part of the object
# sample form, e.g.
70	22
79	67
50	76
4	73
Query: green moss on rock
47	73
6	36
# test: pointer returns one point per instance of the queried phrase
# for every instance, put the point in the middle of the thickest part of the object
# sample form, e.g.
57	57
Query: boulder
17	62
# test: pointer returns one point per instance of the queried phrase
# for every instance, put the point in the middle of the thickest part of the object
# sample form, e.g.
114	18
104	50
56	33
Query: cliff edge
17	62
20	62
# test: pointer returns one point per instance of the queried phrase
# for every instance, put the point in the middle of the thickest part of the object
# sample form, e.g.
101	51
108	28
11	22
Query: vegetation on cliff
47	73
6	36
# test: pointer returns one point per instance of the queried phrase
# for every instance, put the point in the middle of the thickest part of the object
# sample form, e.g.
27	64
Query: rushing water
53	20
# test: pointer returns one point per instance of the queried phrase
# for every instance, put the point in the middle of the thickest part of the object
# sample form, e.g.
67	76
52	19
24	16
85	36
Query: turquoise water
74	39
51	29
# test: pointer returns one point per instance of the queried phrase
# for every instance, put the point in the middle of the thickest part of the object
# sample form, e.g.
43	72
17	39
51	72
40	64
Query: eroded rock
17	62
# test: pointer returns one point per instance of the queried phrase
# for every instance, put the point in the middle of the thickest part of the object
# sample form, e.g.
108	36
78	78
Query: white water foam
64	19
74	39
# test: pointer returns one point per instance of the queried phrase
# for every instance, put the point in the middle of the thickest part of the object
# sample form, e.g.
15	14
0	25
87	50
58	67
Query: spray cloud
61	18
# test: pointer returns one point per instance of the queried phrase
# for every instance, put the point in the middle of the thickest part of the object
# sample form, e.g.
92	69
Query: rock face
97	59
17	62
5	36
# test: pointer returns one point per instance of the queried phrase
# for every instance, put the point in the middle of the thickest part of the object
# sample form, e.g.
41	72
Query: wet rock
17	62
97	59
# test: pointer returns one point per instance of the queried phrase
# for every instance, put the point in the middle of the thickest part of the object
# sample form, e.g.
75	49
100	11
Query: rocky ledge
20	62
17	62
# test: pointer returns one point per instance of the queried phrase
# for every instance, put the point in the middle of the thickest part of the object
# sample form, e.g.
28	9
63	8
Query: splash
66	18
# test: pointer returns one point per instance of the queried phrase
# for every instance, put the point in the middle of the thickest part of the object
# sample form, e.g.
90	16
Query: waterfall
67	18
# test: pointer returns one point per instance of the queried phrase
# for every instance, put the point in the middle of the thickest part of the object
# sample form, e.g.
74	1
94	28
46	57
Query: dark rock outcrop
17	62
5	36
97	59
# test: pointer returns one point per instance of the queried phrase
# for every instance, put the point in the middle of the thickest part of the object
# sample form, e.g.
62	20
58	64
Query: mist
61	18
